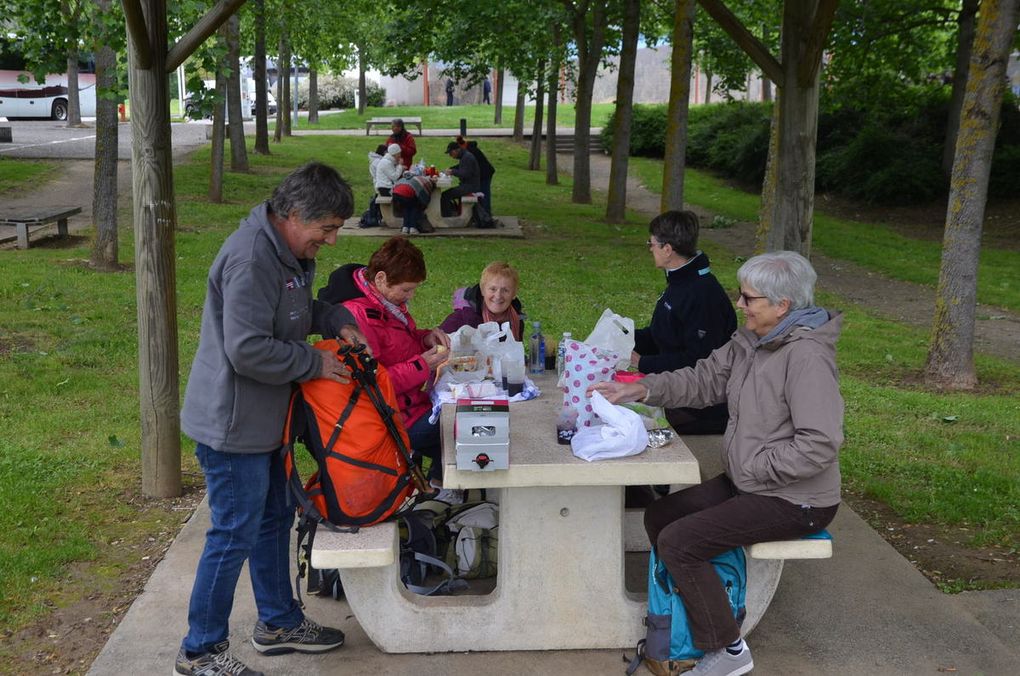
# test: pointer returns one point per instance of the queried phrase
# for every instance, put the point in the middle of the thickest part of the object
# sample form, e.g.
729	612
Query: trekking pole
362	367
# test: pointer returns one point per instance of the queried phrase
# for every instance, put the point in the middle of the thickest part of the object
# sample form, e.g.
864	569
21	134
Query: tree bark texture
519	110
238	150
964	45
498	104
797	129
551	171
313	96
362	83
104	182
674	161
155	222
284	104
589	44
535	156
951	354
73	95
768	187
261	86
616	206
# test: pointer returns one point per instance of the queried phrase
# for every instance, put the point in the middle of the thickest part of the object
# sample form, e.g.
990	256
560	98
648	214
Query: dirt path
997	331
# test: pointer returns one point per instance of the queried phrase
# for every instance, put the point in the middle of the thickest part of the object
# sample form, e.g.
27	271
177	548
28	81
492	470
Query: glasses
747	299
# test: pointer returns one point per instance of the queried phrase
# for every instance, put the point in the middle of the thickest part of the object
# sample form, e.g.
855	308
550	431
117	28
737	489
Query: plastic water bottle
537	362
561	353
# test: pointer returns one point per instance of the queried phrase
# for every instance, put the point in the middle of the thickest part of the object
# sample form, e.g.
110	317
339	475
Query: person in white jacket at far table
388	171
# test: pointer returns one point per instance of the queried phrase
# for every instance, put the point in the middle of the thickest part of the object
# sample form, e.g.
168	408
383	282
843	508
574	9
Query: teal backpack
668	646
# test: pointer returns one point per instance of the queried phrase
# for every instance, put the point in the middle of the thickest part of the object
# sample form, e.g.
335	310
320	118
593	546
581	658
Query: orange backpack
364	470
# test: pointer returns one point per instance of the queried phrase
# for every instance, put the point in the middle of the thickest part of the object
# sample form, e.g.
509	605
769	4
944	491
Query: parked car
190	106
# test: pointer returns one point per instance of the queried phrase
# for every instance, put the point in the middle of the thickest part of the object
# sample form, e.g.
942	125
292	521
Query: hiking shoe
450	496
216	662
413	231
307	637
723	663
405	230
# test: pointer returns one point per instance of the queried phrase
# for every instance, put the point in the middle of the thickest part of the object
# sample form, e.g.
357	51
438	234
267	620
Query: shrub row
880	156
338	92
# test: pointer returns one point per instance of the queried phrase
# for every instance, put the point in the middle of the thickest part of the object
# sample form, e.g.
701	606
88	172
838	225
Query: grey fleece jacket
257	316
786	412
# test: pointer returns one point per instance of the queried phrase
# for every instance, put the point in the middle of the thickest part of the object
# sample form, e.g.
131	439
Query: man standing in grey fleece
258	313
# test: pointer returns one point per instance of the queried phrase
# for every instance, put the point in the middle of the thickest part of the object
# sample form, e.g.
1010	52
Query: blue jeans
251	519
424	438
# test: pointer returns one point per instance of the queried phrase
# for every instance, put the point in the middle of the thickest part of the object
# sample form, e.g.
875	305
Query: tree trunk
616	206
519	110
589	53
535	156
362	83
261	86
951	355
216	152
313	95
285	103
674	161
708	86
498	113
155	221
964	46
104	181
551	171
766	83
73	94
768	187
238	151
797	127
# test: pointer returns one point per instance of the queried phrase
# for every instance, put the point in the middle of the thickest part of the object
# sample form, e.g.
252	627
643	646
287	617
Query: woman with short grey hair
781	477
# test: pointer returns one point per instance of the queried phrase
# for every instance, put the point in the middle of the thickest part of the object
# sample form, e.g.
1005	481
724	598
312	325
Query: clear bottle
561	353
537	356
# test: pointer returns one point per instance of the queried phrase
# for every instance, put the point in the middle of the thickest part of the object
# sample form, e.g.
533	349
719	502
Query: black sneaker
216	662
307	637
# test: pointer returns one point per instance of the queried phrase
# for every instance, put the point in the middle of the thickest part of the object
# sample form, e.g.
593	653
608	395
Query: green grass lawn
871	245
448	117
15	174
69	458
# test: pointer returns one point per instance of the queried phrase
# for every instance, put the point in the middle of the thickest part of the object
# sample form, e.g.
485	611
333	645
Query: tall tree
104	182
616	206
589	20
965	43
535	156
551	171
951	355
238	150
674	161
261	84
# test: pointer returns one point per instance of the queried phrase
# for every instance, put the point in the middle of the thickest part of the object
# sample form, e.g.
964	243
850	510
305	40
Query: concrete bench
389	217
388	122
372	547
467	210
25	217
5	135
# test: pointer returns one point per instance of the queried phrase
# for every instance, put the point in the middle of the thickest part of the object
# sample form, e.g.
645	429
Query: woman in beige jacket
778	376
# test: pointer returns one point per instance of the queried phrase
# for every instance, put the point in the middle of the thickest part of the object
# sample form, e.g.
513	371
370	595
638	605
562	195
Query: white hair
781	274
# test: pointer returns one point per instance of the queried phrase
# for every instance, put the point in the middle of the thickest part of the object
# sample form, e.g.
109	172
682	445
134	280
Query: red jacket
407	147
398	347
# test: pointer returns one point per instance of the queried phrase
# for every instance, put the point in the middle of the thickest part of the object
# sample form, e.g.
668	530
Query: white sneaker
723	663
450	496
413	231
405	230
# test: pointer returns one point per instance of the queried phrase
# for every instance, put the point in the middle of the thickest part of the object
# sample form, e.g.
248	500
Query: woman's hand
435	356
635	359
619	393
437	337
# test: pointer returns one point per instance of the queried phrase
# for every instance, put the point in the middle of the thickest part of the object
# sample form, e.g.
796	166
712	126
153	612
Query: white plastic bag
613	333
622	434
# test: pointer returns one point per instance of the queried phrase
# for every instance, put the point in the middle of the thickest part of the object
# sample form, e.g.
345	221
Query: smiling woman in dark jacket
780	451
493	299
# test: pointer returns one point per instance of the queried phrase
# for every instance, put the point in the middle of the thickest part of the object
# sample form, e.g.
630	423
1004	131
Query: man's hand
619	393
437	337
333	368
353	335
635	359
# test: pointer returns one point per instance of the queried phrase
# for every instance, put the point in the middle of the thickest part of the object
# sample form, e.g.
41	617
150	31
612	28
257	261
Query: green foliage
647	131
338	92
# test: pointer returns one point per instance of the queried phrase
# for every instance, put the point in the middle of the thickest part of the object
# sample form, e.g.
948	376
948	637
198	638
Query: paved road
47	139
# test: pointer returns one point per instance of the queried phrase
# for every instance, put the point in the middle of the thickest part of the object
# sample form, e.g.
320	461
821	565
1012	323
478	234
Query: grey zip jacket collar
253	345
786	412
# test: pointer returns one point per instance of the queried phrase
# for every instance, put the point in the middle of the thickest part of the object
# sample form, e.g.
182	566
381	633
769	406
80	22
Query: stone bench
388	122
371	547
24	217
389	217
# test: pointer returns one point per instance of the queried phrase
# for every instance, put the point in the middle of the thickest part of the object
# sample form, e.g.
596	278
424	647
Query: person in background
252	348
405	140
377	295
493	299
449	92
388	171
780	452
485	171
413	194
487	92
467	171
373	159
692	317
